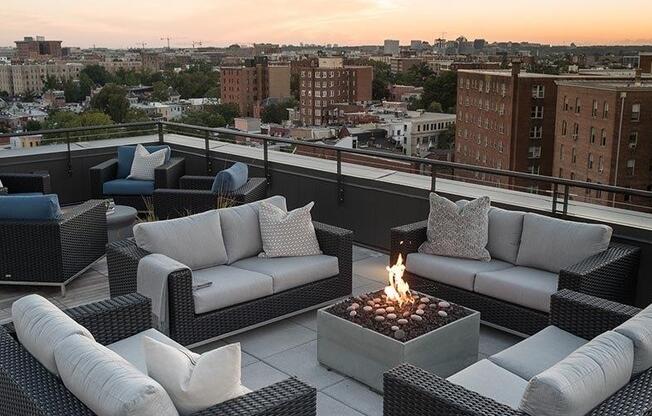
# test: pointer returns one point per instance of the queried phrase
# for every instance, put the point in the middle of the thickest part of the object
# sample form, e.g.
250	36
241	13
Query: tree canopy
112	100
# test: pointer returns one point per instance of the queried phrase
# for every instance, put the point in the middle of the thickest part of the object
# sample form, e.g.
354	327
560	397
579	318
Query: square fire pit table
355	346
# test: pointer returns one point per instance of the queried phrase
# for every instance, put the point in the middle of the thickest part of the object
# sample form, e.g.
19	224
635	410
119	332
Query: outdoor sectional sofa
508	290
27	388
109	179
494	386
15	183
247	290
194	196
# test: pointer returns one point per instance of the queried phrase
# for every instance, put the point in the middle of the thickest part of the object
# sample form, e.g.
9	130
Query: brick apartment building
603	134
248	85
506	120
37	49
20	79
403	65
331	83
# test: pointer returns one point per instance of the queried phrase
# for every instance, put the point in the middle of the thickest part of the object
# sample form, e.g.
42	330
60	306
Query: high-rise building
248	85
37	49
603	134
331	83
392	47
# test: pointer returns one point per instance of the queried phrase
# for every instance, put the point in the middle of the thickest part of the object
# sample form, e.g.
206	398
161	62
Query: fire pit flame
398	289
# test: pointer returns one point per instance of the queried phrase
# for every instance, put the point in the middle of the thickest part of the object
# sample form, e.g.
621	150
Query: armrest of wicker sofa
174	203
26	182
287	398
122	259
338	242
406	239
587	316
254	190
203	183
409	390
104	172
608	275
114	319
168	175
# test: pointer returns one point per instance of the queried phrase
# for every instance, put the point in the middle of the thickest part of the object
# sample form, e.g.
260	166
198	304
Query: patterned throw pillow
145	163
455	231
287	234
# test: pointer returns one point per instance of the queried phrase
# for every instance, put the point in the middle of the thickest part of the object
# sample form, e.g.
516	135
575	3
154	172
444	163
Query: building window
631	164
605	110
537	112
564	128
590	162
594	109
633	140
576	131
636	112
561	172
536	132
578	105
592	135
574	155
534	152
603	137
538	91
565	103
600	164
561	152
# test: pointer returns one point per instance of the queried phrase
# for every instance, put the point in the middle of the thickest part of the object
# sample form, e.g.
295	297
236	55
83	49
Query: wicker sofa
53	252
412	391
14	183
194	196
247	290
508	292
108	180
28	389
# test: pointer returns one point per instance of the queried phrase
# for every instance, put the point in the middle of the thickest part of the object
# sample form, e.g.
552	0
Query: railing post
433	178
566	198
268	175
555	190
340	188
209	162
69	154
161	138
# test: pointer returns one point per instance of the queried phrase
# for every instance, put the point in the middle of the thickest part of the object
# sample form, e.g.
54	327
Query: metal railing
560	187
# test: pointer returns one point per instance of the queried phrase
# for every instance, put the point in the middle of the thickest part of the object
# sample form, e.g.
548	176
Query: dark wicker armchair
194	196
187	327
28	389
166	176
412	391
15	183
609	275
53	253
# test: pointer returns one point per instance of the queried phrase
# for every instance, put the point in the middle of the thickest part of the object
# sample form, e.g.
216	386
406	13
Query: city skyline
123	24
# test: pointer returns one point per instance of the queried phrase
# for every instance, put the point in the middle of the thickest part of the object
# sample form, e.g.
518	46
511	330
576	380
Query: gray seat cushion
195	240
241	229
505	229
523	286
552	244
451	270
492	381
538	353
132	349
290	272
229	286
639	330
582	380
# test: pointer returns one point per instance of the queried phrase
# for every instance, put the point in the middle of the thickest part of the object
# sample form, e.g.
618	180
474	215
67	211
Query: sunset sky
126	23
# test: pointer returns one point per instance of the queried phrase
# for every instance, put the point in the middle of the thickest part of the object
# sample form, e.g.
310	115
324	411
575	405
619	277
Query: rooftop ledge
594	212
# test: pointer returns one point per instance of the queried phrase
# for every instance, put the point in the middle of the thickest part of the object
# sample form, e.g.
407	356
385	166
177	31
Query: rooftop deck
278	350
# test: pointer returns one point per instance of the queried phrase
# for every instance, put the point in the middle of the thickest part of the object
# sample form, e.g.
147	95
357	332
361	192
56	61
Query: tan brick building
248	85
603	134
20	79
324	86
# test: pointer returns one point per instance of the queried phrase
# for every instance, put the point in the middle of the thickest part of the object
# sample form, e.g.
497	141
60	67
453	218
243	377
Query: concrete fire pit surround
365	354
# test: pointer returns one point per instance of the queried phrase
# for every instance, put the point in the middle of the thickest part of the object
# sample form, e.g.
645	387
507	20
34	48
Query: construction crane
168	39
198	42
142	44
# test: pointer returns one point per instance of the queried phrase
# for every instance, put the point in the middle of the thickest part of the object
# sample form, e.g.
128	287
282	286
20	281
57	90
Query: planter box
365	354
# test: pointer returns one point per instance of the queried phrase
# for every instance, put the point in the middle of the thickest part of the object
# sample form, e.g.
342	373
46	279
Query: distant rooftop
629	85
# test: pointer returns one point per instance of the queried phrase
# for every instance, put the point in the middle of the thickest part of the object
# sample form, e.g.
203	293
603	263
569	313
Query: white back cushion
194	382
106	383
582	380
40	326
639	330
553	244
195	241
145	163
241	228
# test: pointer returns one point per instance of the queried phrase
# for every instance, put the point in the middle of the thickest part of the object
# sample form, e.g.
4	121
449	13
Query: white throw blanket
152	281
